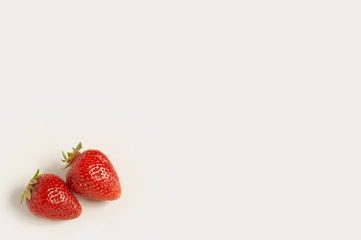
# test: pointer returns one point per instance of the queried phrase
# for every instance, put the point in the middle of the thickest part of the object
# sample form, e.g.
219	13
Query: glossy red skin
52	199
93	176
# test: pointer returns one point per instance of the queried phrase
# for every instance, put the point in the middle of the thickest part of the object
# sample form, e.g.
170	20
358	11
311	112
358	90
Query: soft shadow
91	203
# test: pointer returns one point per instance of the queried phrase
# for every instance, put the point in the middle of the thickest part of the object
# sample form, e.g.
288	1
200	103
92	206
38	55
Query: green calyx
70	156
27	192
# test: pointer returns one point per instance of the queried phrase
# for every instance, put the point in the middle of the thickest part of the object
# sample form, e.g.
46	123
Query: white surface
224	119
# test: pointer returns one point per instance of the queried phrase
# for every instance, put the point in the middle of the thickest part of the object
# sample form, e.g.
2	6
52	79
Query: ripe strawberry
92	175
48	196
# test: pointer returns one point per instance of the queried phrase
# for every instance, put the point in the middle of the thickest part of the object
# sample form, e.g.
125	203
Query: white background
224	119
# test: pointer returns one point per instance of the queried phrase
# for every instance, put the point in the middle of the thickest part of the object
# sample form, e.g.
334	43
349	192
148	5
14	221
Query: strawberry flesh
93	176
52	199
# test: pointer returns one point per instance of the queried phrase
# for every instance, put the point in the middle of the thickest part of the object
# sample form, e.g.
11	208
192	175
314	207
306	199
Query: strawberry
91	175
48	196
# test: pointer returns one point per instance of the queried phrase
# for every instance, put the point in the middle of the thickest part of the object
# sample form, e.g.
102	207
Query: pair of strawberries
90	175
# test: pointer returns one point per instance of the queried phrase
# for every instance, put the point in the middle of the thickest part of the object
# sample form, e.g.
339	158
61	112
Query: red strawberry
92	175
48	196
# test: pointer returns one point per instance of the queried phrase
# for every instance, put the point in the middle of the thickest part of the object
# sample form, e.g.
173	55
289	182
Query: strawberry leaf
33	181
22	197
36	174
28	195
